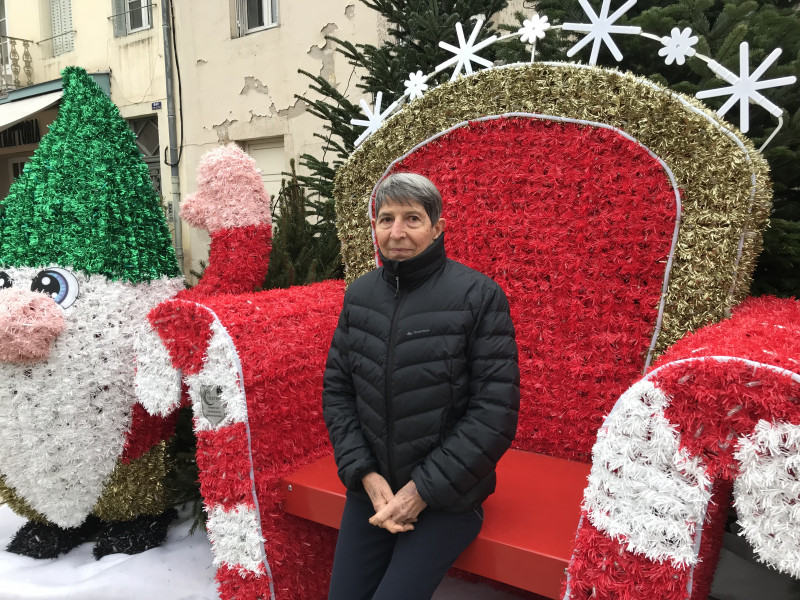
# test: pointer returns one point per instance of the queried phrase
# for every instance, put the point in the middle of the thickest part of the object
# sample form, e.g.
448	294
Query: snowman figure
85	253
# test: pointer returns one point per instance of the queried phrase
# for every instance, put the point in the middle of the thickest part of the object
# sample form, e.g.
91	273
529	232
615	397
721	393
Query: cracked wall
245	89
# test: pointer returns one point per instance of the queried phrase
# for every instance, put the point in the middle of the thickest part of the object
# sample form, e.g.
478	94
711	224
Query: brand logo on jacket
418	332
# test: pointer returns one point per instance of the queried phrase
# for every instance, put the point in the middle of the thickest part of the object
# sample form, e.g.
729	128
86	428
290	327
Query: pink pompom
29	324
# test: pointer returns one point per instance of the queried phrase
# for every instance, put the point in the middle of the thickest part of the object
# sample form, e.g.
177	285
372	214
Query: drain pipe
173	135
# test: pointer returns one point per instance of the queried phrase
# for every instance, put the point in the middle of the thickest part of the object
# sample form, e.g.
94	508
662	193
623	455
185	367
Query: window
61	26
146	131
130	16
138	15
255	15
15	167
5	49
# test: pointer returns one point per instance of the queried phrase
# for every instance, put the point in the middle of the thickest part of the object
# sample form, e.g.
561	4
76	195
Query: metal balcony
10	65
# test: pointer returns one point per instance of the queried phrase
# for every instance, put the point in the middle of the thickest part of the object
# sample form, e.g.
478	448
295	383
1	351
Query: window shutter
241	16
61	22
55	26
118	17
66	25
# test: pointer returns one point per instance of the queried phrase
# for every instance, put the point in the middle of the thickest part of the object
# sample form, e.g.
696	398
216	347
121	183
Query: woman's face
403	229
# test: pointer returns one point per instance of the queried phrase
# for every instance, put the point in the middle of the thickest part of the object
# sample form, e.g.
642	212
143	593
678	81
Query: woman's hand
400	513
378	490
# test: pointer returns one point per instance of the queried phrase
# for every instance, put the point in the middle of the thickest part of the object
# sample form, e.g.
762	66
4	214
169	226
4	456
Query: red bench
526	539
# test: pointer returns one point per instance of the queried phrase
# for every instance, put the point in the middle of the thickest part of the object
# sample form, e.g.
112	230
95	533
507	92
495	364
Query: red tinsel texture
282	339
237	261
575	223
712	404
145	432
716	405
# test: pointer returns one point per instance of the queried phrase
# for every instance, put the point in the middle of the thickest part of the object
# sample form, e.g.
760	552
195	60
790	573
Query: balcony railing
10	66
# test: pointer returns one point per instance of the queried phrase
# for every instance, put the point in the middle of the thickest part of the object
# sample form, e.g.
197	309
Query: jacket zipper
389	399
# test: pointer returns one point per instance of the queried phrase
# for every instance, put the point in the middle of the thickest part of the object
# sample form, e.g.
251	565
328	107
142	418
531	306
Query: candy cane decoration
669	450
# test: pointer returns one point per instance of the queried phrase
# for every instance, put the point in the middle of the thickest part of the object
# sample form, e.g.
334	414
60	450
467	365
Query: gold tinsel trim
17	504
136	488
720	199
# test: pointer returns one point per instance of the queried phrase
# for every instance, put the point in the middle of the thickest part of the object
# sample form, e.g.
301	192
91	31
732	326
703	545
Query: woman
420	398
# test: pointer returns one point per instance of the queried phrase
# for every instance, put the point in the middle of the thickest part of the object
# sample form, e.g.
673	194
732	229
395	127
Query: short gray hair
410	187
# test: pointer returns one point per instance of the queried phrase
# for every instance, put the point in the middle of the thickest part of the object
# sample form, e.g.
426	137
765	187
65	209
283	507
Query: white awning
12	113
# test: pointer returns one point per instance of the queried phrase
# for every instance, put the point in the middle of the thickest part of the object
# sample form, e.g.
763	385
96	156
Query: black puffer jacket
422	380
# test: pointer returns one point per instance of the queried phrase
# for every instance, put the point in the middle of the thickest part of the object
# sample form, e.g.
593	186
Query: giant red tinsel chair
611	236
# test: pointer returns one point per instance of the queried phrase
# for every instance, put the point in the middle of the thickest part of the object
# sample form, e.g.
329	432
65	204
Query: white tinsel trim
236	538
766	493
64	420
220	369
643	489
157	382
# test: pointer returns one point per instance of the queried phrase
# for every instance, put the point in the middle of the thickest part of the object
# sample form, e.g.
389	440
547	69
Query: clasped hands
395	513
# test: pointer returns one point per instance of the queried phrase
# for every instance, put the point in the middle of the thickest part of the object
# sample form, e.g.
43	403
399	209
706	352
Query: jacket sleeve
481	436
353	455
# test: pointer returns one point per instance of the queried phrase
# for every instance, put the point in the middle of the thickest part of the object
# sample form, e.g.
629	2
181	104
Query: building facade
234	78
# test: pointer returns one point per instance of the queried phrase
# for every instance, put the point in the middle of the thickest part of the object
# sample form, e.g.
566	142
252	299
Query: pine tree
305	248
721	26
415	28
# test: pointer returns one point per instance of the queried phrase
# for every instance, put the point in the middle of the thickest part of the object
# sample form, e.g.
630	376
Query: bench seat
530	521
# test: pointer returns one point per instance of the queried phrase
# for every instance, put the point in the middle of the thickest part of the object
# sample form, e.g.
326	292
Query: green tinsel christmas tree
85	199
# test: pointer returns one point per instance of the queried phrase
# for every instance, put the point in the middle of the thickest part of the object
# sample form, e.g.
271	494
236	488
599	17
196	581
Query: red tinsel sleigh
583	251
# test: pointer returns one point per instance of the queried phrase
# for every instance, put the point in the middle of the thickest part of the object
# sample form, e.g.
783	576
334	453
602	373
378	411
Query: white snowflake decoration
676	48
600	29
415	85
533	29
679	46
465	54
744	88
374	119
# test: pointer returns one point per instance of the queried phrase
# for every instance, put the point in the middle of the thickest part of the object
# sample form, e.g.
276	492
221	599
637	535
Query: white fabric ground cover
181	569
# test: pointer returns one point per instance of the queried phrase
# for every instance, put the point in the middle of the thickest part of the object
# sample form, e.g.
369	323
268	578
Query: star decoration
744	87
465	53
600	29
374	119
678	46
415	85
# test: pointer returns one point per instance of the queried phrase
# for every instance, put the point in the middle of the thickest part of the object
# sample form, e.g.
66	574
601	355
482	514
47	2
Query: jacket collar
407	273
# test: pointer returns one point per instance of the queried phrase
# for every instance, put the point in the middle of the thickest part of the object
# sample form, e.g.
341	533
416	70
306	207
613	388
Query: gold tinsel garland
17	504
725	191
135	488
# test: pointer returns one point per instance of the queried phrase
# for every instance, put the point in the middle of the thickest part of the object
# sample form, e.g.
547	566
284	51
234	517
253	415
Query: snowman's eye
5	280
59	284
